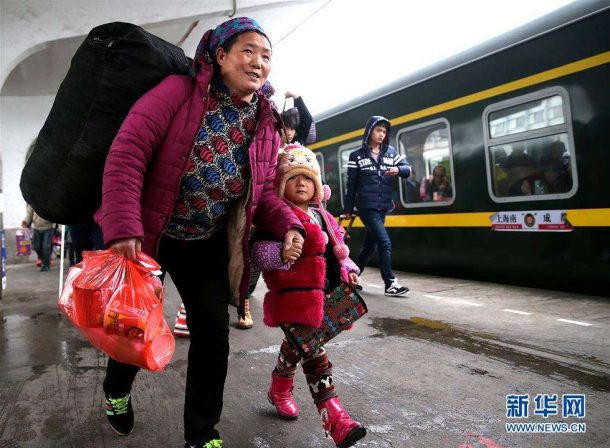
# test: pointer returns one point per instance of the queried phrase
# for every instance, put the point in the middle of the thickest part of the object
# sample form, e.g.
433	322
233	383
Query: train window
427	148
537	114
344	152
529	147
320	158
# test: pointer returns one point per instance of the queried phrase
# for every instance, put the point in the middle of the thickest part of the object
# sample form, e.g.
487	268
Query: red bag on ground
118	305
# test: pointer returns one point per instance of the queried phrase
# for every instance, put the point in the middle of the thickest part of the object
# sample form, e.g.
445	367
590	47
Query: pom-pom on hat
297	159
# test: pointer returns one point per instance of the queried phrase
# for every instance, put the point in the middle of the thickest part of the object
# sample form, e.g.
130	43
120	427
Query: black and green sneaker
120	414
216	443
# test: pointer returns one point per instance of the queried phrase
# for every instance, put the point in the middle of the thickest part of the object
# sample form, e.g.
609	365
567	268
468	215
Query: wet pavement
431	369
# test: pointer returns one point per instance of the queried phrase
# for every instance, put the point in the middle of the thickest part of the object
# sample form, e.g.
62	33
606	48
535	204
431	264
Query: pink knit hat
296	159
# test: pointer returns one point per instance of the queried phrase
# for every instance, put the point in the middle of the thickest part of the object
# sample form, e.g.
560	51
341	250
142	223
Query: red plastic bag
118	305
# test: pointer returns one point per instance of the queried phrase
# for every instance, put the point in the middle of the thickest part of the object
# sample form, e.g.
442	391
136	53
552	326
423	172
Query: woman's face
439	174
245	67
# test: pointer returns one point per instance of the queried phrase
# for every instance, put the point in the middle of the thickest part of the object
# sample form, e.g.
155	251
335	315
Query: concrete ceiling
330	51
39	62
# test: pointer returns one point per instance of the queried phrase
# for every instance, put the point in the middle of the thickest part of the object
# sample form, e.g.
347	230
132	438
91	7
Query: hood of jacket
370	124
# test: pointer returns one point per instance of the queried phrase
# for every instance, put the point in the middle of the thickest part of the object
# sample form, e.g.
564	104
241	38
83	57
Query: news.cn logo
545	406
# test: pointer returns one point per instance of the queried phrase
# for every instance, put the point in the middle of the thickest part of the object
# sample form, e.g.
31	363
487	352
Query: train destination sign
531	221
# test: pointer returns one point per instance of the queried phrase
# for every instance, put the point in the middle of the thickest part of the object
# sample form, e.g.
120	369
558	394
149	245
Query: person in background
190	170
413	186
85	236
299	124
555	170
437	187
500	172
370	171
518	157
298	282
69	247
42	237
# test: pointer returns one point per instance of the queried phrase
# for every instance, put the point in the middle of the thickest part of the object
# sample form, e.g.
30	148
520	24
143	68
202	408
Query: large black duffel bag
115	65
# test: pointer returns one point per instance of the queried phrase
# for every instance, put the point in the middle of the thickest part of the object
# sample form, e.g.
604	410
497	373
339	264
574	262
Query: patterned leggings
317	369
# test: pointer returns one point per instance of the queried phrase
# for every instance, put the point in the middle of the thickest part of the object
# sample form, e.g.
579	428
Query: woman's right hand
128	247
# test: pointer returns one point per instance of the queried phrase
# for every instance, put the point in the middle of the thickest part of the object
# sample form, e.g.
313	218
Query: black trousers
199	271
85	236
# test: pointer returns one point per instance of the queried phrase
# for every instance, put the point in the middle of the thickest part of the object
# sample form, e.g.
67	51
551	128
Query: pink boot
337	422
280	395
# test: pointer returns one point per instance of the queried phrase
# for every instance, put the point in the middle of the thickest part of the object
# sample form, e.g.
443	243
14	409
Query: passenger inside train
413	187
436	187
555	168
542	167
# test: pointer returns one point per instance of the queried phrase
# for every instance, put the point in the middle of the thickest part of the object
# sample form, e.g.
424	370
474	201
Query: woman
190	170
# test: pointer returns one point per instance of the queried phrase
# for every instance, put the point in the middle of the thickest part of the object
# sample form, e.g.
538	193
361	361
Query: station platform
439	367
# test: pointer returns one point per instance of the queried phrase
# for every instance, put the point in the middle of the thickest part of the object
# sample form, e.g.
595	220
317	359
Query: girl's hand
353	279
292	254
127	247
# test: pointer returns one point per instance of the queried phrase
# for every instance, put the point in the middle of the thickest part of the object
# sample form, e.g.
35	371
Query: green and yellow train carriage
521	125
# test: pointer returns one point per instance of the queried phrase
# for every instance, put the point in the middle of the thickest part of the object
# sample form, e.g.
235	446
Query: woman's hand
290	94
353	279
128	247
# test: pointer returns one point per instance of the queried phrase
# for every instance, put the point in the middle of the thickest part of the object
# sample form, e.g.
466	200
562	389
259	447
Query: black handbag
342	307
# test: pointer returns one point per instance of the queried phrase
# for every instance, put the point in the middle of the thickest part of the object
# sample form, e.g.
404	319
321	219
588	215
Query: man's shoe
120	414
44	269
245	322
216	443
394	289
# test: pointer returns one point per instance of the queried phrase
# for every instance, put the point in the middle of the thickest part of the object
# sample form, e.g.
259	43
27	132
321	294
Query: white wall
20	121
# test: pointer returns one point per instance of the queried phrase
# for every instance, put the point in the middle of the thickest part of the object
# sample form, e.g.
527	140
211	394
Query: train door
343	157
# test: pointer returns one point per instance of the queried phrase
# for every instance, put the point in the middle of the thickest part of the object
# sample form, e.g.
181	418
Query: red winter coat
150	154
296	295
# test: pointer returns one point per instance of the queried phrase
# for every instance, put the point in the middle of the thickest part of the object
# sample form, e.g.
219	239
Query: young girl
298	280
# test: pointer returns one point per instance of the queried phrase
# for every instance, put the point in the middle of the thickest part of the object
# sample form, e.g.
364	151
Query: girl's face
290	132
299	189
246	66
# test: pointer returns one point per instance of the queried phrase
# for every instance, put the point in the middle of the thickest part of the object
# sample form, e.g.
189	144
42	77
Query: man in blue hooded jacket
370	172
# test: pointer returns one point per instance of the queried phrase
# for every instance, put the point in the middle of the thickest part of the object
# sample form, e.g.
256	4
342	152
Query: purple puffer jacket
149	155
